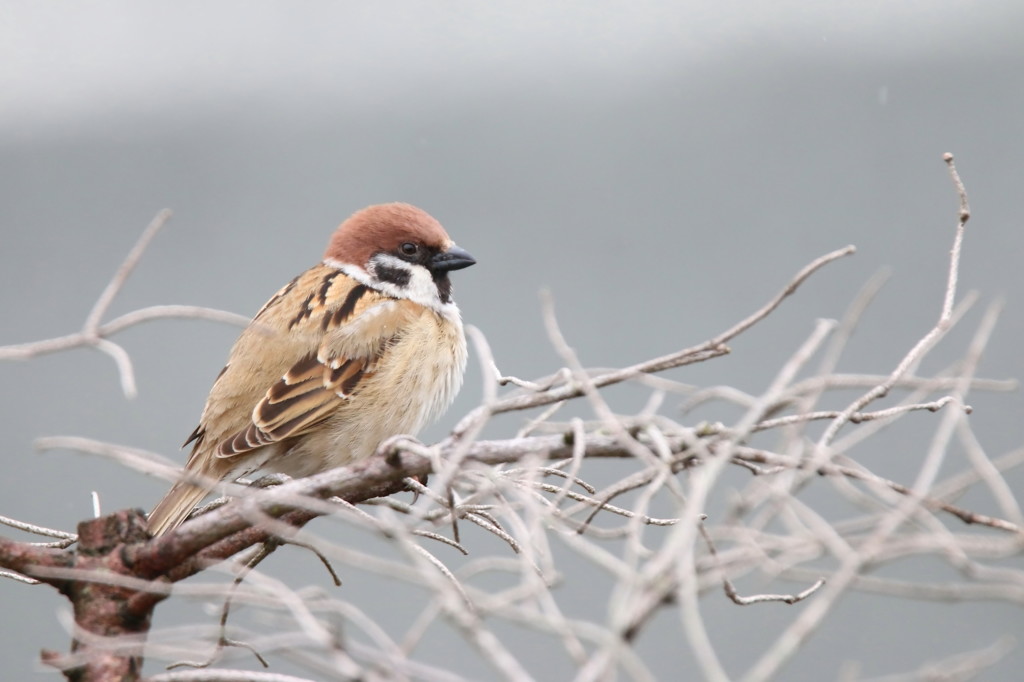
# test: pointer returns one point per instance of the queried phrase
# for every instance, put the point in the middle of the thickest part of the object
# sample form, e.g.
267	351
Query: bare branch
625	493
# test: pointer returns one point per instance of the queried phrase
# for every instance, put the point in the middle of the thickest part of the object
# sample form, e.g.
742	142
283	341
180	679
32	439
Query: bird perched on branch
363	346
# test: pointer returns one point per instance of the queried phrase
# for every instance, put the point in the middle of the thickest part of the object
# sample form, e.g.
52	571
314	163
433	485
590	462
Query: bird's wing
353	327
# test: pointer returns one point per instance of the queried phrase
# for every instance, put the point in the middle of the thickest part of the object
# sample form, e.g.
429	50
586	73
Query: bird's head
401	250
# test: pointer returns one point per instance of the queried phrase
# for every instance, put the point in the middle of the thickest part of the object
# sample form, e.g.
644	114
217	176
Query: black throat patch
444	286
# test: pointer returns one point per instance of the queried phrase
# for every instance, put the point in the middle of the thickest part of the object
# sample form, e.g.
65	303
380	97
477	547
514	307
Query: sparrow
366	345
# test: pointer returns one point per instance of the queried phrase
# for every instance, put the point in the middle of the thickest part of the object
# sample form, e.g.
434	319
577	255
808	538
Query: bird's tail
175	507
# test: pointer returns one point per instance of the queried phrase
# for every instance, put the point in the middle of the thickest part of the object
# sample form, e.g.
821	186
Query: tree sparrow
366	345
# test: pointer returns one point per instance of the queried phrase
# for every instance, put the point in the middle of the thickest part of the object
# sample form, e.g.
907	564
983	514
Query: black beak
452	259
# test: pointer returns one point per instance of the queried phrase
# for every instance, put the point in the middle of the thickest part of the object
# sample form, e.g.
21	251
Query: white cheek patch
416	282
418	286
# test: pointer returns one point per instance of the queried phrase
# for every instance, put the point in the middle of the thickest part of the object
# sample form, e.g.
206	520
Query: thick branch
24	557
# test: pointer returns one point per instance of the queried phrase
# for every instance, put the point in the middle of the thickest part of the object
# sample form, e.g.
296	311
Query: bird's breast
415	380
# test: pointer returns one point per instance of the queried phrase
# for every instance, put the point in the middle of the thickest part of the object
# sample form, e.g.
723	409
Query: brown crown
384	227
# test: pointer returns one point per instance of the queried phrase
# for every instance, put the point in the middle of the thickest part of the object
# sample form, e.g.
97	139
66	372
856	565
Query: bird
365	345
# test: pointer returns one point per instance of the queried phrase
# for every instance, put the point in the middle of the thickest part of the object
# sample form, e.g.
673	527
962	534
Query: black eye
410	249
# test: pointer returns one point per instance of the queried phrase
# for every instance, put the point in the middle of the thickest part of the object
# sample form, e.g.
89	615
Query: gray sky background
661	167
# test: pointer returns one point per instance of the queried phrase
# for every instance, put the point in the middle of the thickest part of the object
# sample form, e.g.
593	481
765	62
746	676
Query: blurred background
661	167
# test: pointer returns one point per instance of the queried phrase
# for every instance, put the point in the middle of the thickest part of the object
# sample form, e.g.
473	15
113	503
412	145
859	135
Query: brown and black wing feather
305	396
355	336
301	359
